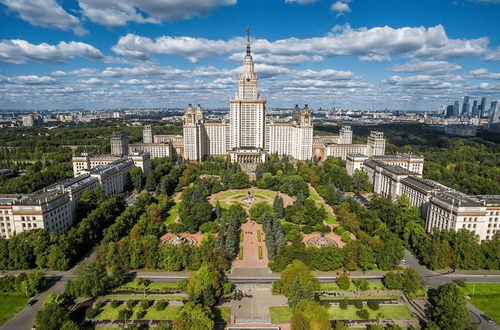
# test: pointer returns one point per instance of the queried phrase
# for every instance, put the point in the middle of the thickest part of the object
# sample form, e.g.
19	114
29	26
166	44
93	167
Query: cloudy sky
396	54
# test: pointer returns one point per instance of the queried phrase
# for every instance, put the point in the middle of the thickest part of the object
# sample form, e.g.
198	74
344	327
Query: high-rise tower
247	110
119	143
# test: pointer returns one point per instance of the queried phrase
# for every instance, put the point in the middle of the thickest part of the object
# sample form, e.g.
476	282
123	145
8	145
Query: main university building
246	135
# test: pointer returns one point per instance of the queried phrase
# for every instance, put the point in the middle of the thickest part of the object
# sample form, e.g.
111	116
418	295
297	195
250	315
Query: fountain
320	241
178	240
249	198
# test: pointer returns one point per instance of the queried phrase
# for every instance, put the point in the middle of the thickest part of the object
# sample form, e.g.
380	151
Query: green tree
125	315
309	315
51	316
278	208
343	282
393	281
194	317
296	270
136	175
412	281
297	293
91	281
205	286
449	308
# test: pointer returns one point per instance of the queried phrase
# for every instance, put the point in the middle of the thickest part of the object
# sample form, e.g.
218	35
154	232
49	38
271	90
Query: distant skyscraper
494	113
449	111
475	110
456	109
465	106
482	108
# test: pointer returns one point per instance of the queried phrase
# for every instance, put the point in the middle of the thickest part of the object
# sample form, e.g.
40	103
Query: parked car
487	318
31	302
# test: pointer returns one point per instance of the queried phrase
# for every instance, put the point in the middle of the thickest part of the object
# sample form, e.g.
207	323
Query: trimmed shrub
343	282
99	304
115	303
372	304
140	313
91	313
307	229
144	304
131	303
161	305
363	314
182	284
276	287
343	304
358	304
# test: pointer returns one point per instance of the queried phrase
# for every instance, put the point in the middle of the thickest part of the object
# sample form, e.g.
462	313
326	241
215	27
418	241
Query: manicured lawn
263	192
486	297
358	298
173	213
259	237
110	313
169	313
280	314
260	253
284	314
389	312
153	286
313	195
141	297
334	287
330	219
222	314
10	304
240	254
228	194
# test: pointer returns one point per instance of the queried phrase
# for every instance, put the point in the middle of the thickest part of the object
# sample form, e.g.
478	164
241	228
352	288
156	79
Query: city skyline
85	54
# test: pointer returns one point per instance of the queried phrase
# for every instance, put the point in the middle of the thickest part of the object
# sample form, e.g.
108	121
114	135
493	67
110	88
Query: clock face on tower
248	79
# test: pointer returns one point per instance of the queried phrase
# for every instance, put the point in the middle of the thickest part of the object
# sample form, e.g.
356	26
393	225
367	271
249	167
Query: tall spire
248	41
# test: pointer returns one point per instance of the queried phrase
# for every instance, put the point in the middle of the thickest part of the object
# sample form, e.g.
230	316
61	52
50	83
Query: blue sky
396	54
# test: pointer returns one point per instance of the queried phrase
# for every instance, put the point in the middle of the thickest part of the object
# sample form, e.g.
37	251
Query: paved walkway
250	246
255	303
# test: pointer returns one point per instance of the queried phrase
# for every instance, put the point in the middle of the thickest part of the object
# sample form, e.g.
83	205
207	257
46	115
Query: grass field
334	287
486	297
359	298
280	314
388	311
260	253
169	313
153	286
313	195
141	297
173	213
330	219
284	314
110	313
10	304
240	253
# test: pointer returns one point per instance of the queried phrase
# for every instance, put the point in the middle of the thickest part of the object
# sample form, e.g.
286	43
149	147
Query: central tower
247	111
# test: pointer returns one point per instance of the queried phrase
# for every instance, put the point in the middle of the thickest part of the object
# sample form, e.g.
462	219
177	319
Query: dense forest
471	165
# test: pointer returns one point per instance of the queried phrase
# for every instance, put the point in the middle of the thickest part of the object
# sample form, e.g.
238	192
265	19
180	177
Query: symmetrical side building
442	207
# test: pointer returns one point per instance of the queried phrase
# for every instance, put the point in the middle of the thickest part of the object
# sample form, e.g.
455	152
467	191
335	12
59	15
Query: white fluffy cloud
28	80
45	13
277	59
484	74
375	44
493	55
340	7
114	13
427	67
21	51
